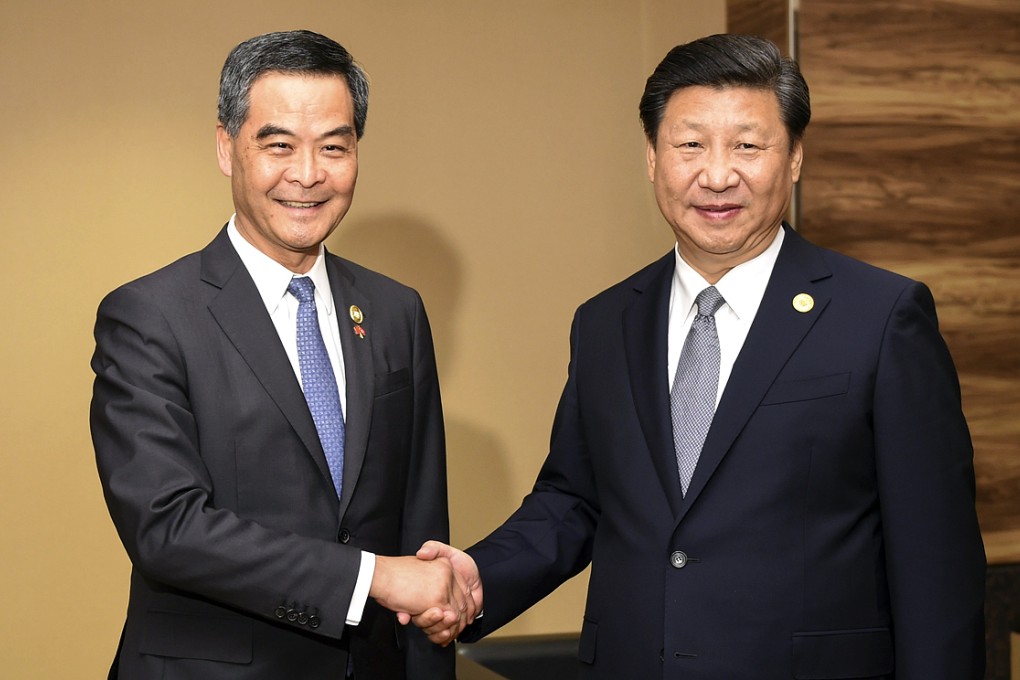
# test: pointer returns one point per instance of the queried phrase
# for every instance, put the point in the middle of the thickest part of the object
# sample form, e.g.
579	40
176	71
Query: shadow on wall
417	254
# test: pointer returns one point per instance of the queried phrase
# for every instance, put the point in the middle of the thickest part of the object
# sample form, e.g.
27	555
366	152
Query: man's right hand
429	591
468	578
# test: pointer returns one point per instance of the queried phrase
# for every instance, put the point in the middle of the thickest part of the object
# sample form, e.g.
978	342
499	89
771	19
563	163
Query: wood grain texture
912	163
764	18
942	61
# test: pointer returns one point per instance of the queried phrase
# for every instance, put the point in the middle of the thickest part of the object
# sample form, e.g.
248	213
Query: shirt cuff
361	588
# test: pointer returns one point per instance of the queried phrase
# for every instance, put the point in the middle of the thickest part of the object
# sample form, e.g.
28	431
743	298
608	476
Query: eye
335	149
747	146
689	147
276	147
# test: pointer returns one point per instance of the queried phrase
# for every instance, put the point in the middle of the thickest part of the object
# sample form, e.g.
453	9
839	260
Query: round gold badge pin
803	303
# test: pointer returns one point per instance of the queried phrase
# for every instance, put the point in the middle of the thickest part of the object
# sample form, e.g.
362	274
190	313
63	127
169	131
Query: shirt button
678	559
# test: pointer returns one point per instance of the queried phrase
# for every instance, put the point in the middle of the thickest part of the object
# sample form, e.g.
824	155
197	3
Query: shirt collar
741	287
272	278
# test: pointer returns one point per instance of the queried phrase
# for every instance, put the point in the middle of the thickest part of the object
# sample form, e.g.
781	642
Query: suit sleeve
549	538
160	494
426	514
934	553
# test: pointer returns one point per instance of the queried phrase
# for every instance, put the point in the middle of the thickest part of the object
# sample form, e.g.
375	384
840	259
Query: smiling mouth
300	204
718	208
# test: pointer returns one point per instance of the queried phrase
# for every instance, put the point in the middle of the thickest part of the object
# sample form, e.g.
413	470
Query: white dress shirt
741	287
272	280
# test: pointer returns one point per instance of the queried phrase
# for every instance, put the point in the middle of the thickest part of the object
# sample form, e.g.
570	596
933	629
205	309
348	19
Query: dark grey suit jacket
244	560
829	530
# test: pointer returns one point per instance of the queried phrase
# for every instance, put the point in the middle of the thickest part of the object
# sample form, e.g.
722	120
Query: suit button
678	559
345	536
302	618
313	621
292	615
280	612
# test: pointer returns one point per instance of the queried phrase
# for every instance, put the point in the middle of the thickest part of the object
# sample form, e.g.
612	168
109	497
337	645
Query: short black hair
728	60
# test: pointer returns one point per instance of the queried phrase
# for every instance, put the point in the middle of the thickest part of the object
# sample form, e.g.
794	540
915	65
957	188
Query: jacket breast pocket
386	383
809	388
828	655
188	636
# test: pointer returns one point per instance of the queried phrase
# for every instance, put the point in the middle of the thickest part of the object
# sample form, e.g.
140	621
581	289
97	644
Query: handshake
439	590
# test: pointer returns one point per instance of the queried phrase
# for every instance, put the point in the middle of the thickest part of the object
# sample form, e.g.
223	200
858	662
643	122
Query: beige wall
502	174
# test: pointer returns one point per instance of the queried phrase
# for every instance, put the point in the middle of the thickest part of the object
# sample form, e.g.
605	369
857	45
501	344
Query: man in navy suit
824	525
266	415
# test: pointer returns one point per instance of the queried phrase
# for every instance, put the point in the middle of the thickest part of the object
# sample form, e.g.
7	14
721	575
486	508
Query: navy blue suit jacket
829	530
244	559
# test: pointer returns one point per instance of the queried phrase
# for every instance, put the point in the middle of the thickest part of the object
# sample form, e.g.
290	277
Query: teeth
299	204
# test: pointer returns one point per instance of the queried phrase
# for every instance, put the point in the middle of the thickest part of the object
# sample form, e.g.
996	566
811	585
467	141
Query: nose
719	173
305	169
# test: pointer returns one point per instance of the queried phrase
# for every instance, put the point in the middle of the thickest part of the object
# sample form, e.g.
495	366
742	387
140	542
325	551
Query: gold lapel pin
803	303
356	315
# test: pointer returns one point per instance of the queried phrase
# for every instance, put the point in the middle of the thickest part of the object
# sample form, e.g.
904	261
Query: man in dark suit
820	523
266	415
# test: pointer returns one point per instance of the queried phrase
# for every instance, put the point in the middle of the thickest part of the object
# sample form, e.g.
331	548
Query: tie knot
302	288
709	301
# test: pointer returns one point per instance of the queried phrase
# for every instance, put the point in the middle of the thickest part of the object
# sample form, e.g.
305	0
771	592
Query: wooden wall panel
912	162
765	18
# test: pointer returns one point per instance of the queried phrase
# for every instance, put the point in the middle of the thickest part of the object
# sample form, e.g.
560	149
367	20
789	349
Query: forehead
721	107
276	93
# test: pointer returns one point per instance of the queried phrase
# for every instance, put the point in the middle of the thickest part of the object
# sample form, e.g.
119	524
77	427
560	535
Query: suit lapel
776	332
240	313
358	370
645	330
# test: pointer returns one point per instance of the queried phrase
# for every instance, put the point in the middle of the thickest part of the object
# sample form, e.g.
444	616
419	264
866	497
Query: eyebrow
270	130
743	127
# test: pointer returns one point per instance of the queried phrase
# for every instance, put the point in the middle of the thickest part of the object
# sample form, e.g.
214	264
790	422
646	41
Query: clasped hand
439	590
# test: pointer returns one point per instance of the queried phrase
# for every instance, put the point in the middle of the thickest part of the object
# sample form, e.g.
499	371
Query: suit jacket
829	530
244	559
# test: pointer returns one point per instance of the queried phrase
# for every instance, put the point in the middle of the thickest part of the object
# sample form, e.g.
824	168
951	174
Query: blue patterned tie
317	379
692	399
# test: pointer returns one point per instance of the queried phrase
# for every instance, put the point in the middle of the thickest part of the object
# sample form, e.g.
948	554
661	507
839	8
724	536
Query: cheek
266	174
259	174
345	179
777	188
676	181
